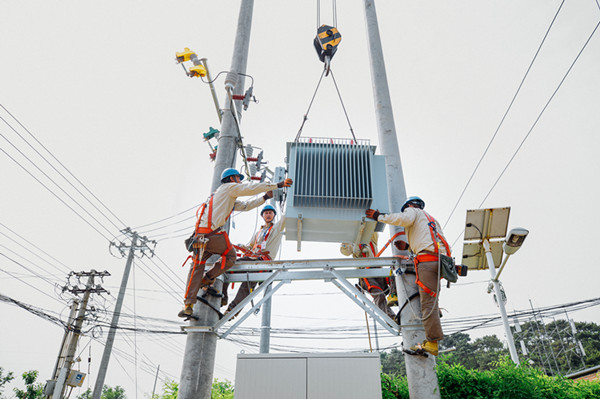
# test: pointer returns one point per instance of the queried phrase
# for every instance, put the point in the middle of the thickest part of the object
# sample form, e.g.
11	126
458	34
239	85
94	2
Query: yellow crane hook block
197	70
185	55
327	40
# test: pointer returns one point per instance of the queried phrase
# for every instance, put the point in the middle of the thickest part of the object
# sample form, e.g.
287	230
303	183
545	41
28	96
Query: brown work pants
378	288
216	245
430	312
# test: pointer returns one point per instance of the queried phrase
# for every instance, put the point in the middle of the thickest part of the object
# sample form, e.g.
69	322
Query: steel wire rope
57	171
305	118
504	116
535	122
343	107
57	197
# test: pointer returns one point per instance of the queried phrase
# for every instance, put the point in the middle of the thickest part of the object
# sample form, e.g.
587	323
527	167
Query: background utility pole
420	372
200	348
110	339
90	288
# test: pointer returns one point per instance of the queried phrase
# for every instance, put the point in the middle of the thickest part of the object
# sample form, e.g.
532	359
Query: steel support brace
240	305
246	300
361	300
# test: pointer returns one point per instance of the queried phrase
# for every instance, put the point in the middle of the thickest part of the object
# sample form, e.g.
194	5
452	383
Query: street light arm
501	267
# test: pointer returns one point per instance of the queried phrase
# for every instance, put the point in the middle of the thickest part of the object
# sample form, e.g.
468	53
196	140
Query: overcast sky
97	85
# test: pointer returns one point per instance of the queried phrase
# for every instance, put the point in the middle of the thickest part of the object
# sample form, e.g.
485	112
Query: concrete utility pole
90	288
420	372
265	327
200	348
110	339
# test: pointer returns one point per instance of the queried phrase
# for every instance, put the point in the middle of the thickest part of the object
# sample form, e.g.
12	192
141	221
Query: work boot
224	300
187	311
206	282
392	300
430	347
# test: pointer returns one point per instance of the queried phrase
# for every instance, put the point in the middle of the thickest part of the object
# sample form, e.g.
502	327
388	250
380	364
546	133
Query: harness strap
388	243
424	258
434	233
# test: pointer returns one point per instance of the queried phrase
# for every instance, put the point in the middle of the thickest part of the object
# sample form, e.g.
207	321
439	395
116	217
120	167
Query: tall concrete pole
64	371
110	339
265	327
420	372
200	348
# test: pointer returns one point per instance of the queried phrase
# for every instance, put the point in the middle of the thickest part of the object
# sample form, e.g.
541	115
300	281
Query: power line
504	116
57	197
541	113
67	169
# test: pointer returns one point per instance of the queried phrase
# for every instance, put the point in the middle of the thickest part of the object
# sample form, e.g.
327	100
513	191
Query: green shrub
504	381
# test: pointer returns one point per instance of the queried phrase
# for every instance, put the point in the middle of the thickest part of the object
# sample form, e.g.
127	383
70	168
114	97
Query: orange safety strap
229	247
366	280
434	233
388	243
208	228
264	239
424	258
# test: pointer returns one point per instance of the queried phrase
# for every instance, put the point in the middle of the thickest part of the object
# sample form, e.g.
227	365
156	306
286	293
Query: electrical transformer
335	180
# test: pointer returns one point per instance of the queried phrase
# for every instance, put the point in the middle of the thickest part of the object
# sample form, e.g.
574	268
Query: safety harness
428	256
200	238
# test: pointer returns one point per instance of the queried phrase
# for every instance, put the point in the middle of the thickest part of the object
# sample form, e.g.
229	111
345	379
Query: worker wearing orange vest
263	246
378	287
426	240
209	238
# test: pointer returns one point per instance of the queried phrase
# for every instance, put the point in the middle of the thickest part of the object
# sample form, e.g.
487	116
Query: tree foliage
107	393
504	380
551	347
5	378
220	390
32	390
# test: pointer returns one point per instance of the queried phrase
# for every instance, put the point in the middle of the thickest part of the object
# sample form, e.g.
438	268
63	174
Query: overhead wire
535	122
66	268
55	195
64	167
540	114
505	114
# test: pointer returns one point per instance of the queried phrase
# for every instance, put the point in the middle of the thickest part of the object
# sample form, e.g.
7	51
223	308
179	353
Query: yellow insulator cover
197	70
184	55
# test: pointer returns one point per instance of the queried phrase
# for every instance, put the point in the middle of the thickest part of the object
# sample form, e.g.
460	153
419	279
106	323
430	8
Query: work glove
373	213
401	245
285	183
268	194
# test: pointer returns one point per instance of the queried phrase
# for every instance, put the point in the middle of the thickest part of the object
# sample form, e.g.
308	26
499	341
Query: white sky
96	83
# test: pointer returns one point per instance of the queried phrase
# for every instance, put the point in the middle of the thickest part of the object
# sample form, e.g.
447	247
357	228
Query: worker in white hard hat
427	241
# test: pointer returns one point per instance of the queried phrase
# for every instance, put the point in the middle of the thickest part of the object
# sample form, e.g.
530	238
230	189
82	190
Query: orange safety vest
430	257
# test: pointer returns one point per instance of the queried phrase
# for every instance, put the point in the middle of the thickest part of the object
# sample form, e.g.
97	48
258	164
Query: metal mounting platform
336	271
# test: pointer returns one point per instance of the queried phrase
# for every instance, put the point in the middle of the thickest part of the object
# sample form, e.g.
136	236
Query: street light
482	226
513	242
